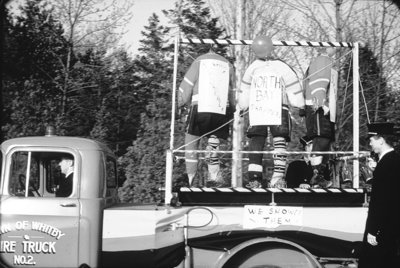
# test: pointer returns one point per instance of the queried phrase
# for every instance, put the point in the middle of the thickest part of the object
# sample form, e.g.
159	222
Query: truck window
39	174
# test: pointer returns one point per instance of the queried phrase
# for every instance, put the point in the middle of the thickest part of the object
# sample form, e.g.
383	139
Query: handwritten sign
265	100
271	216
213	86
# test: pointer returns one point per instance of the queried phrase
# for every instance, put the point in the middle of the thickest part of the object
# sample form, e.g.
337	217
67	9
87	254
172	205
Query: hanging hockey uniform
208	89
267	89
320	88
320	93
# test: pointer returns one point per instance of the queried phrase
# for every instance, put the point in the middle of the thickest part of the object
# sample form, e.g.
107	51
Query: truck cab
40	227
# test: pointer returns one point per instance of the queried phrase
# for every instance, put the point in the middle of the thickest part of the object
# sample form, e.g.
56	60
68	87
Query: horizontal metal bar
275	43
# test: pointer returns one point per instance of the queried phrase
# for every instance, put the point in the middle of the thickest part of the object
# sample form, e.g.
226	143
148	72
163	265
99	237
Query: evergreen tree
118	115
101	103
100	130
4	56
193	20
145	161
35	54
87	82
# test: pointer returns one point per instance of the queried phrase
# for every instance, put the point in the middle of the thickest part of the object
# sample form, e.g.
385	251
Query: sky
142	10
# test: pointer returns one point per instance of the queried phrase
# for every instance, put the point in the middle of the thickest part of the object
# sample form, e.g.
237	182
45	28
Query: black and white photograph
200	133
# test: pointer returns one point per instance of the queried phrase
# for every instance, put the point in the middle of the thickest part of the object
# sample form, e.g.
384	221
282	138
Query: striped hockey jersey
317	81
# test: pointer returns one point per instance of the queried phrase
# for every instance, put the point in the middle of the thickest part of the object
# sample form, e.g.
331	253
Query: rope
203	225
275	43
365	102
345	89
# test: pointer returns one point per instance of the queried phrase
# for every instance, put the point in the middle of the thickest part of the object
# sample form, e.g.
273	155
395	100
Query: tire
271	255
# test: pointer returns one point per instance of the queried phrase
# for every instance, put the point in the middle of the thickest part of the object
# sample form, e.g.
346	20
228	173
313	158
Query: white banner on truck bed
271	216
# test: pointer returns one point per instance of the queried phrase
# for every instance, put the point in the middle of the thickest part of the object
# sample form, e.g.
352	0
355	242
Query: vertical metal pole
236	180
188	258
237	135
168	178
171	141
169	155
28	174
356	116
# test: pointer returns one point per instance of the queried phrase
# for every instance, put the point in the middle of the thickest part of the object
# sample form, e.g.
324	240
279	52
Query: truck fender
269	251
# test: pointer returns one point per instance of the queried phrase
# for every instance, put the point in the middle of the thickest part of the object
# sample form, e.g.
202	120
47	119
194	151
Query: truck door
38	227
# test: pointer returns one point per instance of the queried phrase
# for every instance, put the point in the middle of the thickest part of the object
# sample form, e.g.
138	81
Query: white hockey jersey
267	87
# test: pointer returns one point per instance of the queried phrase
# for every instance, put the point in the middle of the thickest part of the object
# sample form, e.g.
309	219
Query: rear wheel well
273	253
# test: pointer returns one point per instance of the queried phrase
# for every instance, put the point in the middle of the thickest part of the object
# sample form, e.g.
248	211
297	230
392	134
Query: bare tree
369	22
248	19
377	25
93	23
88	24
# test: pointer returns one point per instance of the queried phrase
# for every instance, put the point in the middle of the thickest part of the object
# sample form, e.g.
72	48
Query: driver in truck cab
64	188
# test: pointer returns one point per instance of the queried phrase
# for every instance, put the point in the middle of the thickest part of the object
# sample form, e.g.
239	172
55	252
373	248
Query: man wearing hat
382	230
66	184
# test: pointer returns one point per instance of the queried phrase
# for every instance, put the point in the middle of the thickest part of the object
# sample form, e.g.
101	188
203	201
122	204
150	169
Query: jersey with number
267	87
208	83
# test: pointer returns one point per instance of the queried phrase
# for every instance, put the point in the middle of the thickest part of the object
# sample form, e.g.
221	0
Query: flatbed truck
194	227
213	227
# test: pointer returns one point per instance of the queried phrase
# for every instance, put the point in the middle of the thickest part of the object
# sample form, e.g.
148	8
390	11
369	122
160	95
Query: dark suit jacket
383	215
384	205
65	186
